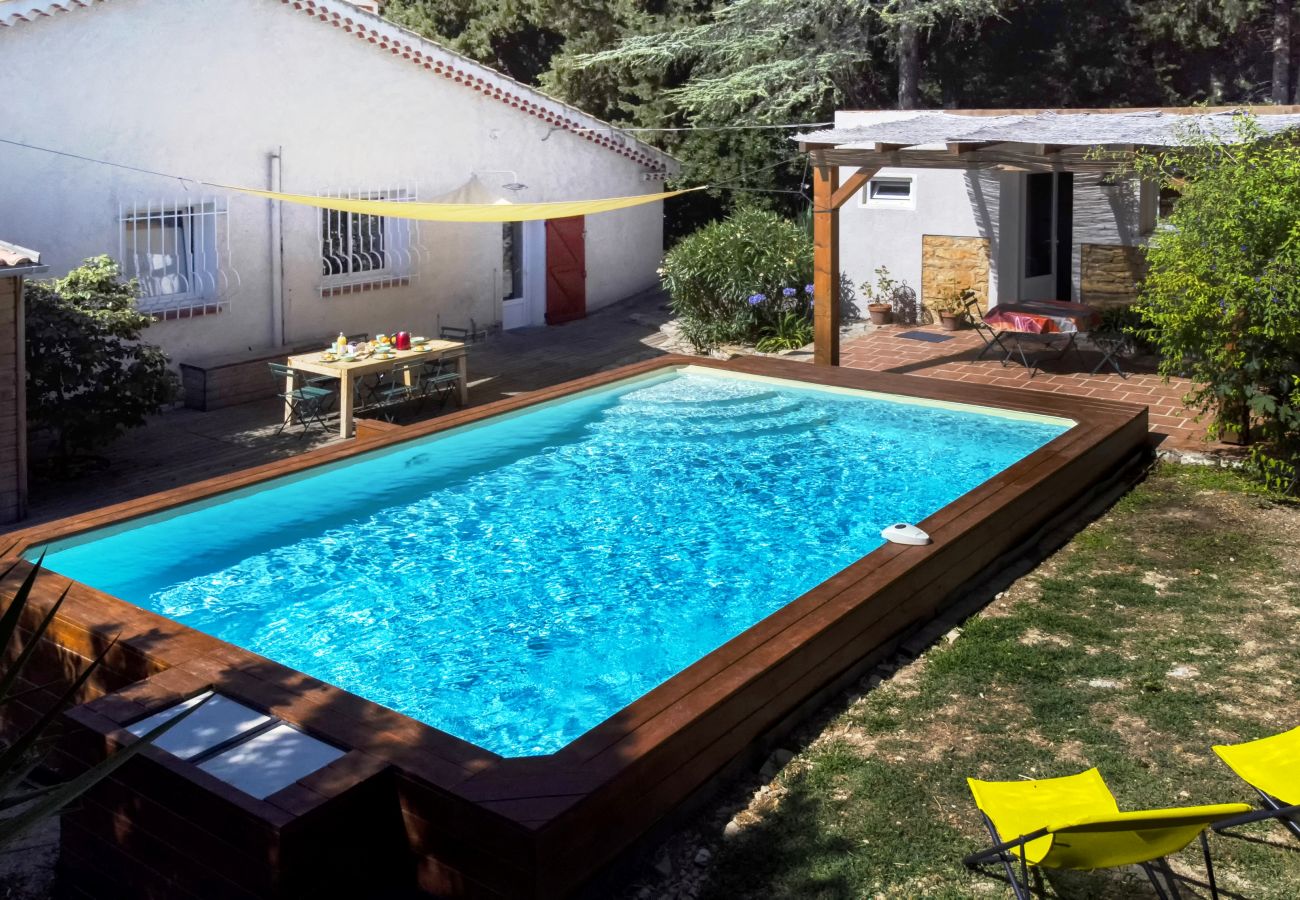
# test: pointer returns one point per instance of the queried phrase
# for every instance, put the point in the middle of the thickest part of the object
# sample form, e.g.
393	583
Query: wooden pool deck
184	445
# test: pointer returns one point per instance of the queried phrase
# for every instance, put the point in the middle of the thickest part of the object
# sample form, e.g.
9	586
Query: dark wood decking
476	824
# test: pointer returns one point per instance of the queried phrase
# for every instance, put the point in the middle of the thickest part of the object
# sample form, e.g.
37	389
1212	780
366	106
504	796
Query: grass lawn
1170	624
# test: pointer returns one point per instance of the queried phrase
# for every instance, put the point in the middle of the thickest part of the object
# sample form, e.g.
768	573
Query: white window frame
186	237
394	261
871	200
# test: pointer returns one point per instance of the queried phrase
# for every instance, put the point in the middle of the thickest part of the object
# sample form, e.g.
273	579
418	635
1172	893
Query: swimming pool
413	806
517	582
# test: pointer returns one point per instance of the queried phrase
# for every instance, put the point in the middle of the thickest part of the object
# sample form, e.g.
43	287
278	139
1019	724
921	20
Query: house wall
13	416
950	203
961	215
211	89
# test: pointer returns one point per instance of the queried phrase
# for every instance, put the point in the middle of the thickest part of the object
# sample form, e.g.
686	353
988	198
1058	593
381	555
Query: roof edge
431	56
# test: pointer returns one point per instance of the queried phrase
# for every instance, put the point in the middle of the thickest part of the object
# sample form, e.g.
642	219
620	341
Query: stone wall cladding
949	263
13	477
1110	275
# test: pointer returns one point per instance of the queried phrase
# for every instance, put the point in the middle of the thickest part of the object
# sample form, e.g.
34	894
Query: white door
1038	223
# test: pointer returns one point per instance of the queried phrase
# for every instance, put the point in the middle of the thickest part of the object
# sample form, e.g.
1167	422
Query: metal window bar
179	253
359	250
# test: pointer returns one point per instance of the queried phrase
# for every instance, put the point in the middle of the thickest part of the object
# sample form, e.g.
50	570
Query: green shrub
89	376
734	280
790	332
1222	294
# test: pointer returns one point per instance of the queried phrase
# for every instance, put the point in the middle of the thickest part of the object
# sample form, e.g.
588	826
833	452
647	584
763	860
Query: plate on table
348	358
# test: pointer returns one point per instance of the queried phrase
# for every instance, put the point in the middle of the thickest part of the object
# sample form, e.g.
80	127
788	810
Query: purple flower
788	292
1223	305
755	299
808	289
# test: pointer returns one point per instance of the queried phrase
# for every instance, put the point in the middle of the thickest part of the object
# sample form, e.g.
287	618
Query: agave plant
21	758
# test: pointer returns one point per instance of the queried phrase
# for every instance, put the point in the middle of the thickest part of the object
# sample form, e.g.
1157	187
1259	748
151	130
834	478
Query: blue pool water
515	583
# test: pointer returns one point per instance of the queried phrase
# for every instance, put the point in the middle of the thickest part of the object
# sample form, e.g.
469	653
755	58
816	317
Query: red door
566	270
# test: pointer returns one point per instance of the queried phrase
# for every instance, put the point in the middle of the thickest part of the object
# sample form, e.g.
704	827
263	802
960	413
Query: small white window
358	249
890	192
174	251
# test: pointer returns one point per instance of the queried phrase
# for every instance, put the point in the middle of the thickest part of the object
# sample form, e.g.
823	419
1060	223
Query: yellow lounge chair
1271	766
1075	823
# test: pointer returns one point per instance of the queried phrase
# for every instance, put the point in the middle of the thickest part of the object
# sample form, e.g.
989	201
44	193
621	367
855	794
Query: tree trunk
1281	51
909	61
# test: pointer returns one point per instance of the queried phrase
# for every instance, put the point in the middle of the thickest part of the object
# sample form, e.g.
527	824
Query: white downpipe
277	256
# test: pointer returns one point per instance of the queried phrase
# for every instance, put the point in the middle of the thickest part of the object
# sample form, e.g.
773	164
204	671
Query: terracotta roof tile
12	256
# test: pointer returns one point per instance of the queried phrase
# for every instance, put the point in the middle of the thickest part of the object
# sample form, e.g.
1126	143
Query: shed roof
1059	128
15	260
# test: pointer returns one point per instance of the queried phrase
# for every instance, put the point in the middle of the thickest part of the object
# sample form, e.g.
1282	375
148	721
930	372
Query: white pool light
904	533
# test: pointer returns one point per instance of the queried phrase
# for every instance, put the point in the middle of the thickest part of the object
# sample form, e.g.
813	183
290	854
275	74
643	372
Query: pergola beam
828	196
961	148
826	265
852	185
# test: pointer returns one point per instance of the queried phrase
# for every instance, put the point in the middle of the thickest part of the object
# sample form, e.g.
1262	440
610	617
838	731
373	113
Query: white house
306	97
1045	224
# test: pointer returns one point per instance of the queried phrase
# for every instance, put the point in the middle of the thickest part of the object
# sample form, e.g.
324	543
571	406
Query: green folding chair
306	401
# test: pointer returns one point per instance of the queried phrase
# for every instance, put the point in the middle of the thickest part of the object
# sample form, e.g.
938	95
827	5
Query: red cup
403	340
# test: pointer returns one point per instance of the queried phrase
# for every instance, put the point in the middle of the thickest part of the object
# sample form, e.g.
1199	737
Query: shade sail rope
461	212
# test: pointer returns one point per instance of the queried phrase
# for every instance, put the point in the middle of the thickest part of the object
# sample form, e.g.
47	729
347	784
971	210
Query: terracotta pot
881	313
952	321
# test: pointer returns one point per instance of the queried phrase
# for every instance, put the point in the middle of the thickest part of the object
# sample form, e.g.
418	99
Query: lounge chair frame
1020	886
1273	809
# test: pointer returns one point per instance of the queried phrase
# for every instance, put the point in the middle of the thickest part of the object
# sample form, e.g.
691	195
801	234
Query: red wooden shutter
566	270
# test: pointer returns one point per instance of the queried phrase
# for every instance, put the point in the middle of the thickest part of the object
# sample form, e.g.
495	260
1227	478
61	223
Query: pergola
1023	140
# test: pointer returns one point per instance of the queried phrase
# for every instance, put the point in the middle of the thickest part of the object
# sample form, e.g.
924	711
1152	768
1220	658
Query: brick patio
882	350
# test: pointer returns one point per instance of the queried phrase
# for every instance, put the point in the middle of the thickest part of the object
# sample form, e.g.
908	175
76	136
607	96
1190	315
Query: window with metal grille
358	249
176	252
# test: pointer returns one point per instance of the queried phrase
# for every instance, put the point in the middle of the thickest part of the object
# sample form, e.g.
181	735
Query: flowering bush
1222	295
728	282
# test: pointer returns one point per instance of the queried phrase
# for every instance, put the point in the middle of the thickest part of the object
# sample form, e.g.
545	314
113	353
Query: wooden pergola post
828	196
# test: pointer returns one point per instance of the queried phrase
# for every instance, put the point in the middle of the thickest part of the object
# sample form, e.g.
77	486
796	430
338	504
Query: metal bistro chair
440	379
405	382
306	401
985	330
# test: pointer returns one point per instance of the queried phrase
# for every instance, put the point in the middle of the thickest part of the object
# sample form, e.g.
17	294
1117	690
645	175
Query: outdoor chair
984	330
1075	823
1271	766
306	400
440	379
405	382
1113	345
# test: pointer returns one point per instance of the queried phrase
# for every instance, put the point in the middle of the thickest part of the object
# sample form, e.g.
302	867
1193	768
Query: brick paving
882	350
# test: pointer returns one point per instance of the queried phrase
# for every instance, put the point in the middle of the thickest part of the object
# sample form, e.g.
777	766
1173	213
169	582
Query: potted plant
884	295
951	307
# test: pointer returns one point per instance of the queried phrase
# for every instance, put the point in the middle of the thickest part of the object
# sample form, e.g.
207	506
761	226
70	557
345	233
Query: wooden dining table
348	373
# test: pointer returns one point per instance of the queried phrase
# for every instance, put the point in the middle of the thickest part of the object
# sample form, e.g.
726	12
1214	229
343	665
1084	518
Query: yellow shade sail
464	212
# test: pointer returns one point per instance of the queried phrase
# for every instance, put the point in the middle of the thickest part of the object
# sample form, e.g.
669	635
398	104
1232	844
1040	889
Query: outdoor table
1039	320
1044	317
348	373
